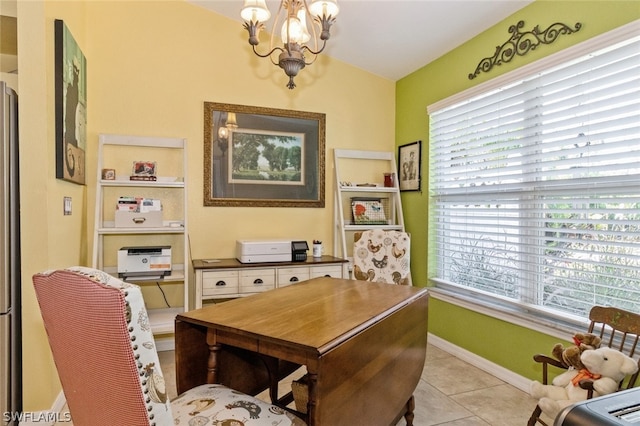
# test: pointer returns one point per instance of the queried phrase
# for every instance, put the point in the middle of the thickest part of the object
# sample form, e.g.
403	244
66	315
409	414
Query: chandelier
294	34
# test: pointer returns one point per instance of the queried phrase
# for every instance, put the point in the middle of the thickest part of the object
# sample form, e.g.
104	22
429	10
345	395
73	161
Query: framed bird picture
368	211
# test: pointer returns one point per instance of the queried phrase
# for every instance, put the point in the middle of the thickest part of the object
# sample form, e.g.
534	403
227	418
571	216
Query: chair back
103	348
382	256
618	329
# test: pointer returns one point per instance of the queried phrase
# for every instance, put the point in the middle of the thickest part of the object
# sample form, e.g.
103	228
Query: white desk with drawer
228	278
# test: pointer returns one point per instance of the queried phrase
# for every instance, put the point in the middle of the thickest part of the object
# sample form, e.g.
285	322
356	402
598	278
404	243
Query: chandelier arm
268	55
314	53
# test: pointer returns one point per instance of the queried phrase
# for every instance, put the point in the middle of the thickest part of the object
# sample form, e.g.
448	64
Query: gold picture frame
263	157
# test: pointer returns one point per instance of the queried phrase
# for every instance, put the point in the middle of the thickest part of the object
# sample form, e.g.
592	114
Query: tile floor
451	392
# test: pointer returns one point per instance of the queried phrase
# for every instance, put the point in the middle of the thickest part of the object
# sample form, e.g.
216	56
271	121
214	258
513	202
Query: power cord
163	295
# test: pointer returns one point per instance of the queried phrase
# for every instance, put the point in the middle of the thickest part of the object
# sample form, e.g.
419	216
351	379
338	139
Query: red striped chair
108	365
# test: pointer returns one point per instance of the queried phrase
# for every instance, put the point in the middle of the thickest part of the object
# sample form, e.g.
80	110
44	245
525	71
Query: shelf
163	320
160	183
177	275
365	227
383	189
119	152
369	163
112	230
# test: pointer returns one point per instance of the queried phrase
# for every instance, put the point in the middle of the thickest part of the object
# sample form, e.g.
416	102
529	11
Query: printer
257	251
144	262
618	408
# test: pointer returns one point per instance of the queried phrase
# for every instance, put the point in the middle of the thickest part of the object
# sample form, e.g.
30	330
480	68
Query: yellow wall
151	65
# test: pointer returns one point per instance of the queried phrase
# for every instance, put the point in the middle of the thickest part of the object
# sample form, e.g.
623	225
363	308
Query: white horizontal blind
536	186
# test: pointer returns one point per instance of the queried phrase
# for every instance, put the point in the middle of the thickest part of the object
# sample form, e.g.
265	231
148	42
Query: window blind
535	185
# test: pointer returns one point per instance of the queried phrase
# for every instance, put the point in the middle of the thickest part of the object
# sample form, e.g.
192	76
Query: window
535	184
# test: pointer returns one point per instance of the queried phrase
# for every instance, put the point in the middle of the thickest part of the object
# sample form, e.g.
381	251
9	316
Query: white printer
257	251
144	262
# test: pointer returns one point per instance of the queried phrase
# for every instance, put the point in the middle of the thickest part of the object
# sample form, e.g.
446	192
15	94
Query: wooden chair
106	358
382	256
618	329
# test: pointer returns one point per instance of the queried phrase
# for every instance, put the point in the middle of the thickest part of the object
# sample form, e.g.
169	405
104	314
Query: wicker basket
301	393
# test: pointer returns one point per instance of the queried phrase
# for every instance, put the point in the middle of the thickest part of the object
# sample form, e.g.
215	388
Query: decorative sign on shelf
521	43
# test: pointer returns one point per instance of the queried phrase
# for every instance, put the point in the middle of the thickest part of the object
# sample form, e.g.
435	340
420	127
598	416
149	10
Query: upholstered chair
106	358
382	256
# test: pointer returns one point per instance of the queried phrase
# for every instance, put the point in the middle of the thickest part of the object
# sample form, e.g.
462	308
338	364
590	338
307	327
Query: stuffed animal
570	356
605	366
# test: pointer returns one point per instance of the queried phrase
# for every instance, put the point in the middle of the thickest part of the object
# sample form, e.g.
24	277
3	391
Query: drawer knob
294	279
258	281
221	283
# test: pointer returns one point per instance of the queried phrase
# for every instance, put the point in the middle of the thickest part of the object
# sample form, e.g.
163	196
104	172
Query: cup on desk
317	249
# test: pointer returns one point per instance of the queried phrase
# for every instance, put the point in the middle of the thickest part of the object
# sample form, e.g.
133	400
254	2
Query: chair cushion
381	256
219	405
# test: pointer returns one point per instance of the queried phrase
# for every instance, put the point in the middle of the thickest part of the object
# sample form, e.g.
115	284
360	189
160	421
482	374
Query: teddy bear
605	366
570	356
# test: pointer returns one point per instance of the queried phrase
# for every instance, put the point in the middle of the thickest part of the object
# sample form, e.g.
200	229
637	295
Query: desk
228	278
363	344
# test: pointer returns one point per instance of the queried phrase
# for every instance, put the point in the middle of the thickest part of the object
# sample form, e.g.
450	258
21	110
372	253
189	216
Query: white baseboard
496	370
165	344
48	418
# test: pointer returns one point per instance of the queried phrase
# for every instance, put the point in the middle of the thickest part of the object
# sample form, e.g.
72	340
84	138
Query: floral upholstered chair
108	365
382	256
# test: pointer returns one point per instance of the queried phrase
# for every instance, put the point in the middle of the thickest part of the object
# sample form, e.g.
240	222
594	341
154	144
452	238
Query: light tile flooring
451	392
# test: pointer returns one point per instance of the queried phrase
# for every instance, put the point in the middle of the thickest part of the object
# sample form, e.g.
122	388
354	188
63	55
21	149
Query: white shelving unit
119	152
353	170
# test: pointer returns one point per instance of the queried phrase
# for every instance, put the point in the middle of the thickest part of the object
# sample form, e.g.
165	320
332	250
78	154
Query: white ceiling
394	38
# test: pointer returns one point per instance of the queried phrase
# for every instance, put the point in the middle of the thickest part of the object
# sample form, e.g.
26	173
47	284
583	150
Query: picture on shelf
144	168
368	211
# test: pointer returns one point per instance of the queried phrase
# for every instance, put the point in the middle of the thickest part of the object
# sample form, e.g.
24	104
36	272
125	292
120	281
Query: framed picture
144	168
409	166
263	157
70	106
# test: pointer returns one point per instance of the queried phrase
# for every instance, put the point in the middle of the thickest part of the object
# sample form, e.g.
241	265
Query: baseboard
496	370
165	343
58	413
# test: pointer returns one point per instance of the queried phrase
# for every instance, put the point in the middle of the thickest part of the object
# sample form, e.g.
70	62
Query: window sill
522	316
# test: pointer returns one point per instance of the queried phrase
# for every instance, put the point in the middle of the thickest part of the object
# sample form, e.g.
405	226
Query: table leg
409	415
312	390
212	363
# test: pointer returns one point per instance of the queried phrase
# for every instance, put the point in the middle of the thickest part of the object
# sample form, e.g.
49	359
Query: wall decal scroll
521	43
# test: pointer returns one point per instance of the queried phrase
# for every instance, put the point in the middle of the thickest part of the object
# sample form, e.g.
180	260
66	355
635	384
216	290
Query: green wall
500	342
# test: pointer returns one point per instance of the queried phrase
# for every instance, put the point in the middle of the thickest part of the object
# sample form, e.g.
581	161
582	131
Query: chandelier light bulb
255	11
294	29
324	7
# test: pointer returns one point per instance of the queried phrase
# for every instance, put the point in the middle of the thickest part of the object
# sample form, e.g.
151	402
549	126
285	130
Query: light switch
67	206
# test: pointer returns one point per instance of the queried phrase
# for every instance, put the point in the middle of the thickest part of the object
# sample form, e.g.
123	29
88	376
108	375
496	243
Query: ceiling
393	38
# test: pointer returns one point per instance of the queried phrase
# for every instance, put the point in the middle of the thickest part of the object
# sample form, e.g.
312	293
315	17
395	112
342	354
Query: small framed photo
108	174
144	168
409	166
